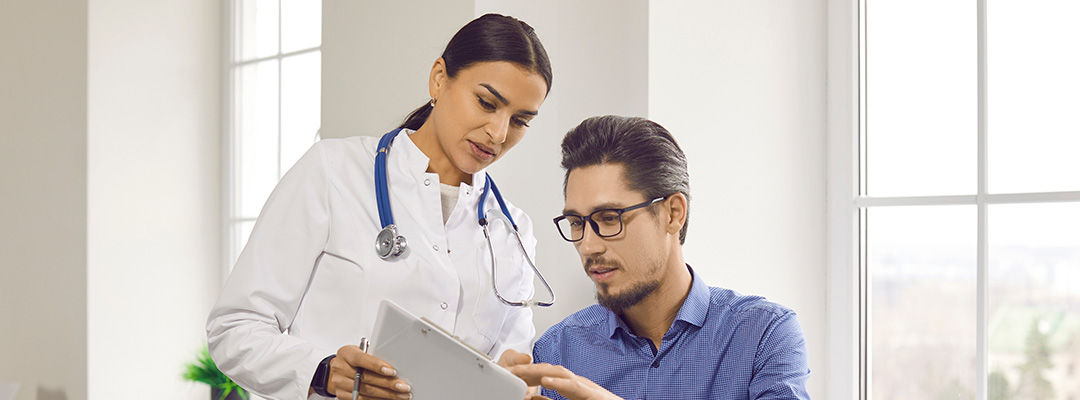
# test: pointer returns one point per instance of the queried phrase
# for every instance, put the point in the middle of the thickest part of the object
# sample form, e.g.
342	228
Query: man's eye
575	222
609	217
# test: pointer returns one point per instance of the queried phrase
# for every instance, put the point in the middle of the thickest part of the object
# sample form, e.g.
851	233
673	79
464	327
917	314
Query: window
965	198
274	73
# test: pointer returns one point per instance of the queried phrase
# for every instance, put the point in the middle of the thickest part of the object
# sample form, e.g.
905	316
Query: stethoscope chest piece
389	243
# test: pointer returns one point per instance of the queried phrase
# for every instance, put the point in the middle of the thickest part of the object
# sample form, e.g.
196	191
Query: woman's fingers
378	379
369	391
372	386
356	358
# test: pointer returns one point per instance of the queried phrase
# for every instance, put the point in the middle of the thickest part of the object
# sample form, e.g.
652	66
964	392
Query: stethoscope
389	244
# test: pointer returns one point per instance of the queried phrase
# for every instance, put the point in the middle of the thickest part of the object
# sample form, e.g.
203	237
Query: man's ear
676	205
437	79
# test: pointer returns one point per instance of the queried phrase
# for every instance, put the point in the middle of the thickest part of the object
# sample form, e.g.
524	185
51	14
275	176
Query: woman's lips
480	152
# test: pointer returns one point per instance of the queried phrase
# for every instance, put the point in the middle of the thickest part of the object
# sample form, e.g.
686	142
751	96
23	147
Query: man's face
627	267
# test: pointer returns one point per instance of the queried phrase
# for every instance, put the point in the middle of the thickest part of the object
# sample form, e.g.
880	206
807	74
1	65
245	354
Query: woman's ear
437	79
676	205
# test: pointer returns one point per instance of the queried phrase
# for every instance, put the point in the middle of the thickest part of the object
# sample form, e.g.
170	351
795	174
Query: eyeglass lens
605	223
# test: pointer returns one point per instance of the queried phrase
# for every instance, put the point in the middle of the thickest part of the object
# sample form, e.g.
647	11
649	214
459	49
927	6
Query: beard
632	296
619	302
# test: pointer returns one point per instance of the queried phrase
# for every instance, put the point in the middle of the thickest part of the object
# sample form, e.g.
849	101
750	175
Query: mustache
597	260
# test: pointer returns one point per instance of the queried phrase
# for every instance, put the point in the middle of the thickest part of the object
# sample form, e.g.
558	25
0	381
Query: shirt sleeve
263	293
780	366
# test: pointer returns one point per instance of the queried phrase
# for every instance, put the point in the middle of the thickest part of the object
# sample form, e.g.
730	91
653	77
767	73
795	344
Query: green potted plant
205	371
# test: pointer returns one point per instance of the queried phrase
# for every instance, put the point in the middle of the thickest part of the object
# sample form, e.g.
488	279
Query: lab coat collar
413	159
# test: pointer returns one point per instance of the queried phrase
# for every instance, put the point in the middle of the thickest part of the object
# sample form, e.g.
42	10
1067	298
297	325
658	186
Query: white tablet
435	363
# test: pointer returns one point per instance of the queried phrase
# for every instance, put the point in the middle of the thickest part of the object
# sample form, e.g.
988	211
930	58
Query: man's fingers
576	388
511	357
567	387
531	373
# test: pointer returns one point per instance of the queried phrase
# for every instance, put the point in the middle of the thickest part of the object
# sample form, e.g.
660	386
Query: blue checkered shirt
722	345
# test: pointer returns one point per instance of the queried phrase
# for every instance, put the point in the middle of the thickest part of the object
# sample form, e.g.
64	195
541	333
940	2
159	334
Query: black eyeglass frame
595	226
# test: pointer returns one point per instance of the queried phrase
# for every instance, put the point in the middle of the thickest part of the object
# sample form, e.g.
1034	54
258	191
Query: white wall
43	198
154	199
741	85
109	164
376	56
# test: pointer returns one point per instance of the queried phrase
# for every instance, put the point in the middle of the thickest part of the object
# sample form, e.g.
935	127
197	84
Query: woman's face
484	111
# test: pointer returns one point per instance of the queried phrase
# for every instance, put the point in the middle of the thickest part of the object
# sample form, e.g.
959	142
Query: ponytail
417	117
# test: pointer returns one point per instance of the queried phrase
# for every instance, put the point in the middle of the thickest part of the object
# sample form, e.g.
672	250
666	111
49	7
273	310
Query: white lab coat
310	268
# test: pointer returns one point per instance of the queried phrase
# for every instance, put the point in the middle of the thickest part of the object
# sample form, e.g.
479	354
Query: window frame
849	357
232	220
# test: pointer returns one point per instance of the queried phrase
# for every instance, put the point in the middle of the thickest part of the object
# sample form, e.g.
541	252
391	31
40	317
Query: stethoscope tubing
386	219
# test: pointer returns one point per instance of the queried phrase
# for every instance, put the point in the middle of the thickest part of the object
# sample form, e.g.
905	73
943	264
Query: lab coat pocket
490	313
327	306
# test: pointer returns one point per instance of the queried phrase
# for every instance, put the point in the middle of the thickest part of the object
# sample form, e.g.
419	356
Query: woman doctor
308	284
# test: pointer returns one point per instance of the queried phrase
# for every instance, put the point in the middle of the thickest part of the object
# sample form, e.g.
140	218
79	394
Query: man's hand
560	379
510	358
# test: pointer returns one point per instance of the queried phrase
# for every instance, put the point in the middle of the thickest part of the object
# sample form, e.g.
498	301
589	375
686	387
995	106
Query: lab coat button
427	182
444	305
436	247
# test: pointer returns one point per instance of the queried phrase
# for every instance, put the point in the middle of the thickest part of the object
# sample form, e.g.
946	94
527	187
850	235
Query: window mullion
982	242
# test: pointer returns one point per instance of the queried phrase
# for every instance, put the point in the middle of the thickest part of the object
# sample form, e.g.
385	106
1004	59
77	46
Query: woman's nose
497	129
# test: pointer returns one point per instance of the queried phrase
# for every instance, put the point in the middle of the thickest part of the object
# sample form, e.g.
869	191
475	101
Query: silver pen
356	381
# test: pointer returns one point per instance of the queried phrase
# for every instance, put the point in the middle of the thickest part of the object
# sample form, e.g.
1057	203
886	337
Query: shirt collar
696	307
693	311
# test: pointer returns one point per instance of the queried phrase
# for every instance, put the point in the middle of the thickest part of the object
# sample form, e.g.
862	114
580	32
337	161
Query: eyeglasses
605	223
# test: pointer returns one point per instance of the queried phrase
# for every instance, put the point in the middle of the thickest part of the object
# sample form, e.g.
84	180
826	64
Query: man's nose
591	242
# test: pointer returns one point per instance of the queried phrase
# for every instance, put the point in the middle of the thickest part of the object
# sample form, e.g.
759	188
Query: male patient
658	332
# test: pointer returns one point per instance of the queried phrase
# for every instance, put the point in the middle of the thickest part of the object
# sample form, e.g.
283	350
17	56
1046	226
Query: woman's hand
377	380
560	379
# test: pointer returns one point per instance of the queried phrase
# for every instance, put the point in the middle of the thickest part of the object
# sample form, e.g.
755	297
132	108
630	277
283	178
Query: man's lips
601	273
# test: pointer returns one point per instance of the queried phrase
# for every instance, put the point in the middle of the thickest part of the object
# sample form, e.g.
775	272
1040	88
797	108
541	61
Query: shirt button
444	305
427	182
436	247
656	364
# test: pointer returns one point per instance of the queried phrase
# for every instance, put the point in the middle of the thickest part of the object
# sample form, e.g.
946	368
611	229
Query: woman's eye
485	105
520	122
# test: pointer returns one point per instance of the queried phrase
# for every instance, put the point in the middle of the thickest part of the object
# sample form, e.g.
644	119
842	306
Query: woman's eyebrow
503	99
